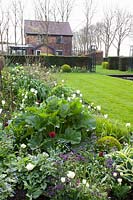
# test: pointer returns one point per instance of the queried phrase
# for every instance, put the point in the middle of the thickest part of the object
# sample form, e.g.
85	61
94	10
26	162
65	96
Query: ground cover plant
52	146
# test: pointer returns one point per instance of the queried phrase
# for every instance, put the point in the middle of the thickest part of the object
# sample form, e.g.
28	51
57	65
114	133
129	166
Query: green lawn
115	95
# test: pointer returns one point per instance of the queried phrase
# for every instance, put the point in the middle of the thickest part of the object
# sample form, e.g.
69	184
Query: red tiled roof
50	28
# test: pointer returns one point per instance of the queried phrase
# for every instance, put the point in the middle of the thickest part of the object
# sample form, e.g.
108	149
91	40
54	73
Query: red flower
5	124
52	134
101	154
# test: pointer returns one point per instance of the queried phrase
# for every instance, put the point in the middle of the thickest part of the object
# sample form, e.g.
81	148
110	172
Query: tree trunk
118	49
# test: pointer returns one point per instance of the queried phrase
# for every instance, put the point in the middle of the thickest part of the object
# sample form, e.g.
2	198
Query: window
59	52
59	39
38	52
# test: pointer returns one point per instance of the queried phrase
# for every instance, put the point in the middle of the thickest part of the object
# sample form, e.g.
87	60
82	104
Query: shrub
113	128
124	63
113	62
108	142
65	68
105	65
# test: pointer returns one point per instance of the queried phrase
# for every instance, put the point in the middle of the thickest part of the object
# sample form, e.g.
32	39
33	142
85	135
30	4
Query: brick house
48	37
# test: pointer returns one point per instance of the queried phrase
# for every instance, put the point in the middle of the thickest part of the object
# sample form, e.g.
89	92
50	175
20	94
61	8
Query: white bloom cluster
30	166
119	180
33	90
3	102
70	174
78	91
63	179
23	146
45	154
106	116
98	108
128	125
0	110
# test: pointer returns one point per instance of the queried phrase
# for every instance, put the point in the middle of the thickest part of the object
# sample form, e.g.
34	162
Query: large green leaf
71	136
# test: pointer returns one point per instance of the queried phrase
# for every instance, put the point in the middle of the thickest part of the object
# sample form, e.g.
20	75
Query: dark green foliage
113	62
124	63
48	60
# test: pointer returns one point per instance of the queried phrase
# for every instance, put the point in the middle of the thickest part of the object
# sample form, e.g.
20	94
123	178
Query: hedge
49	60
113	62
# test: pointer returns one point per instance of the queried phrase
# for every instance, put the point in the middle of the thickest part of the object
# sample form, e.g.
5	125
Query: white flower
89	107
0	110
45	154
70	174
87	185
119	180
63	179
128	124
3	102
32	90
78	91
35	91
80	101
30	166
62	95
84	181
73	96
62	81
106	116
115	174
81	95
121	173
23	146
98	108
68	98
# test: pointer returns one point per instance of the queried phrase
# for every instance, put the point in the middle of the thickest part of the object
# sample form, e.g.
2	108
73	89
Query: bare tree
109	29
43	12
4	26
62	9
21	19
124	21
98	35
89	10
15	18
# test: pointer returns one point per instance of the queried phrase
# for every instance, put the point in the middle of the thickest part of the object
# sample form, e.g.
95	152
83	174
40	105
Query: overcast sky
77	17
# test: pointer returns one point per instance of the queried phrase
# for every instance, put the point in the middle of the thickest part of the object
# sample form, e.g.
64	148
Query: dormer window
59	39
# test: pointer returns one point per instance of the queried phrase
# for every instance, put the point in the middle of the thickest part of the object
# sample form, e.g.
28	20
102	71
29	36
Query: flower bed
51	146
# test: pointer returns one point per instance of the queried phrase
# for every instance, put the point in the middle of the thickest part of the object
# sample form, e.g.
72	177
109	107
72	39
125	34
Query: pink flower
52	134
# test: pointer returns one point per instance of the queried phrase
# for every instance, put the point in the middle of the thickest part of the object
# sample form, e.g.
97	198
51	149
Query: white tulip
30	166
84	181
115	174
119	180
128	124
63	179
98	108
23	146
106	116
0	110
3	102
70	174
